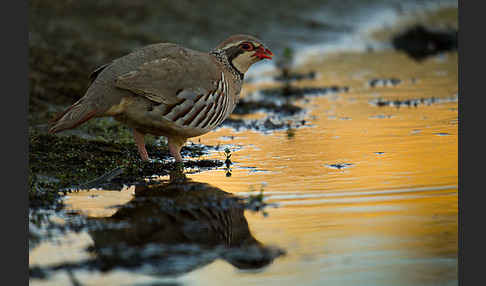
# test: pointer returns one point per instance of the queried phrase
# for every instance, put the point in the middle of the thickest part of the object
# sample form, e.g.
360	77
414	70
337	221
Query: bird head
244	50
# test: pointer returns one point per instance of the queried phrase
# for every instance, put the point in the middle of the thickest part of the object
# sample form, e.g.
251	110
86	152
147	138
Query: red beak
263	53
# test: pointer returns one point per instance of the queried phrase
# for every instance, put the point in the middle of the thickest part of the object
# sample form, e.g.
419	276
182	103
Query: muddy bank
60	163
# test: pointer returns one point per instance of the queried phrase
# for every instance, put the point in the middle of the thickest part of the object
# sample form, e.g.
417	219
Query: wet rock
265	125
272	125
412	102
234	123
376	82
300	92
420	42
288	77
259	125
250	106
339	166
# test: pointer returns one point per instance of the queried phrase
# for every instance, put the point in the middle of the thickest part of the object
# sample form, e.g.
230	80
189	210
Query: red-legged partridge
167	90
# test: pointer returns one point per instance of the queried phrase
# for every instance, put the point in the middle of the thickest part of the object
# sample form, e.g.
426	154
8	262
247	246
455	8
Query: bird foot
140	142
175	146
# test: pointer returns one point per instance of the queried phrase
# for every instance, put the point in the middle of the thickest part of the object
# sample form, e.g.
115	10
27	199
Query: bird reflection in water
176	227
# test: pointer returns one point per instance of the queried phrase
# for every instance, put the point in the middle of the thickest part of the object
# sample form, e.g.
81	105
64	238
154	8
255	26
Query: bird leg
139	140
175	145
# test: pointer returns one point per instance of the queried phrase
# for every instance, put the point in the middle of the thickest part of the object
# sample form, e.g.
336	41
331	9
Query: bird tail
72	117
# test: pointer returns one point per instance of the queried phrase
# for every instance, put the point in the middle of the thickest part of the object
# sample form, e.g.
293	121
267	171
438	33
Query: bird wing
174	69
156	80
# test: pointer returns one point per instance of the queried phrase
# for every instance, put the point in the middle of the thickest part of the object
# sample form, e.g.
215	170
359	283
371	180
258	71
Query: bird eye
247	46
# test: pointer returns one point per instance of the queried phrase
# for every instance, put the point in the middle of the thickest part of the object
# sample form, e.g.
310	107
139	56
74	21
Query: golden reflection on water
389	218
393	212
